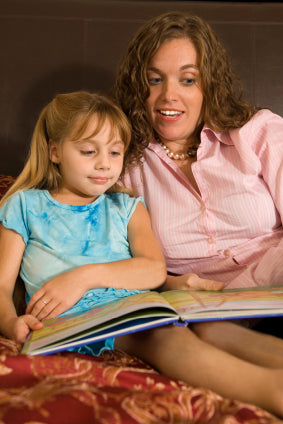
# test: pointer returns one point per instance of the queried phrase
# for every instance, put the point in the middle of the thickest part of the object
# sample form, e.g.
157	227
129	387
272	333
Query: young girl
78	243
65	210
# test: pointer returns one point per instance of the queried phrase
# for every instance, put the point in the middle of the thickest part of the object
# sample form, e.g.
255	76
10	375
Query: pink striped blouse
233	231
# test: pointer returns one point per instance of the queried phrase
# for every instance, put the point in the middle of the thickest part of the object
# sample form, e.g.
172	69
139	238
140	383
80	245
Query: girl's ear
54	152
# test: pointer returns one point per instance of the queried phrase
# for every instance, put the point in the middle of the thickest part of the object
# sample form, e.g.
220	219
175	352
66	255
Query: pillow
5	183
19	293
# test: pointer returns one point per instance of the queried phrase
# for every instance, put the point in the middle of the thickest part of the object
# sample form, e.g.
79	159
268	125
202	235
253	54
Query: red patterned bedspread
69	388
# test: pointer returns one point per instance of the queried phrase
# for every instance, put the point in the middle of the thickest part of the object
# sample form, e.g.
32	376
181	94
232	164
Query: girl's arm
145	270
12	248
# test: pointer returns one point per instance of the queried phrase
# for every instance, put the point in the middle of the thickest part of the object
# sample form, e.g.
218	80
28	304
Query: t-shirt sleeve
131	204
13	215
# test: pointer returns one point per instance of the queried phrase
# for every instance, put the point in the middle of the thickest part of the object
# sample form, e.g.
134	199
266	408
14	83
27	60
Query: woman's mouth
170	115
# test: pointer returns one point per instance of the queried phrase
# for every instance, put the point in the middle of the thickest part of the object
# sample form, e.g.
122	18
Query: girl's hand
190	281
18	328
57	295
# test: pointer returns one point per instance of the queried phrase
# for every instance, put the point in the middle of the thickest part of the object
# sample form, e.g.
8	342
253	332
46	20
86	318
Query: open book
152	309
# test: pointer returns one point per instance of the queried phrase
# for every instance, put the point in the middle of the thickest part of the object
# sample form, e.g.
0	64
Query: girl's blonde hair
67	115
223	107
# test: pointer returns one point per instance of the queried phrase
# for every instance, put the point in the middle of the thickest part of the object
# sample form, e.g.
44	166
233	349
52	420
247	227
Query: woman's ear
54	152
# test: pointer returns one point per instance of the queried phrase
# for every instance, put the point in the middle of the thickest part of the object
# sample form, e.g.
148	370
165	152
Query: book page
119	327
259	301
60	328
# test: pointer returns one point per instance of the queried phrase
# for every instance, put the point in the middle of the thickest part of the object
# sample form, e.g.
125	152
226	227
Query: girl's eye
87	152
154	80
115	153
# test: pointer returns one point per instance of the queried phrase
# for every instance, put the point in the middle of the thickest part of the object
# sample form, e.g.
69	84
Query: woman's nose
169	90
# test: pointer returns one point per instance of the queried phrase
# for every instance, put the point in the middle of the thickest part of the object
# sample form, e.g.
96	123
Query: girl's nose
102	161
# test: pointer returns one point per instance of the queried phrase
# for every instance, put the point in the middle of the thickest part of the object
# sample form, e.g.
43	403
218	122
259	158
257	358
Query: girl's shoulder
25	201
24	196
32	193
123	198
123	202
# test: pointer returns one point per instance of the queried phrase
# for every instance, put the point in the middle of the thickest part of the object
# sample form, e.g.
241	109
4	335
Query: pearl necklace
191	152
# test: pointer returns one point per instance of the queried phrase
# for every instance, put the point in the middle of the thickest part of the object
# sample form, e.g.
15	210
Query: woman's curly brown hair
223	107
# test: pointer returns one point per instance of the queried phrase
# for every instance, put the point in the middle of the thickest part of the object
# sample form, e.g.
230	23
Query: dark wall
49	46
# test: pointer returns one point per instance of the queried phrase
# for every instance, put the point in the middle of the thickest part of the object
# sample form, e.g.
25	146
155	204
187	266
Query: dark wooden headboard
51	46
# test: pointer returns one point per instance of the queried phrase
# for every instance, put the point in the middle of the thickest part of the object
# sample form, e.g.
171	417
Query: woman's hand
57	295
190	282
18	328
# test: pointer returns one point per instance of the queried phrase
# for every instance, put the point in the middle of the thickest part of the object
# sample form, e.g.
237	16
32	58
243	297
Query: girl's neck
73	199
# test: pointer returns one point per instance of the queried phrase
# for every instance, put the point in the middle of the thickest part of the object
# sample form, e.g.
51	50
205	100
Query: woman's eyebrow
183	68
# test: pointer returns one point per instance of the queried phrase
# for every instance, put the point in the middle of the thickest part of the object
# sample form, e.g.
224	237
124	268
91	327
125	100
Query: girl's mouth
100	180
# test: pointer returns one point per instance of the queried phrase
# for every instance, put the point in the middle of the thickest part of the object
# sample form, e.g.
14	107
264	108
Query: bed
71	388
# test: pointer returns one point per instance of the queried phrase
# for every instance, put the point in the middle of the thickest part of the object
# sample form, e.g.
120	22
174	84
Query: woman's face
175	101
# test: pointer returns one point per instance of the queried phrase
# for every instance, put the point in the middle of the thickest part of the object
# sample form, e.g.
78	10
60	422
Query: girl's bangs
119	126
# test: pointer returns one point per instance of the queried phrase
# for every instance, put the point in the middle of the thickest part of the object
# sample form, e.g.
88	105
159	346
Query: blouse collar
221	136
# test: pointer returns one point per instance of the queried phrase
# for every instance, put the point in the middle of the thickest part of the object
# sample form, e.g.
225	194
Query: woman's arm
190	281
12	248
145	270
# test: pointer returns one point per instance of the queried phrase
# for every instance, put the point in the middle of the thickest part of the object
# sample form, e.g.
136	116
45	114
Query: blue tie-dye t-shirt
61	237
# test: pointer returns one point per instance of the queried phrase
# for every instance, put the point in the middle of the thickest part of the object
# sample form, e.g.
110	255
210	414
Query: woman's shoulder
254	139
264	117
263	123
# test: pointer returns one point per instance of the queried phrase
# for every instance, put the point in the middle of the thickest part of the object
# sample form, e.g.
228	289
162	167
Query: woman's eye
154	81
189	81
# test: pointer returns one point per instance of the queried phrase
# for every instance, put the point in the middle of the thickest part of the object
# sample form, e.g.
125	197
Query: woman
208	164
209	167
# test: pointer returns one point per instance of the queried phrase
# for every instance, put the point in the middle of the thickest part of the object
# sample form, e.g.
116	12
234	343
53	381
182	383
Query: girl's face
175	101
88	166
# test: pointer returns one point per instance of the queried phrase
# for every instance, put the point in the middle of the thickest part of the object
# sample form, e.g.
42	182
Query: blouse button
210	240
227	252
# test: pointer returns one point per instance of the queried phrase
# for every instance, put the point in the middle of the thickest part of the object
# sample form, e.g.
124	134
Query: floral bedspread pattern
70	388
115	388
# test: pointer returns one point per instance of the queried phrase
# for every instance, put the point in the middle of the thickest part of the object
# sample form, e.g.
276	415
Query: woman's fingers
196	283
